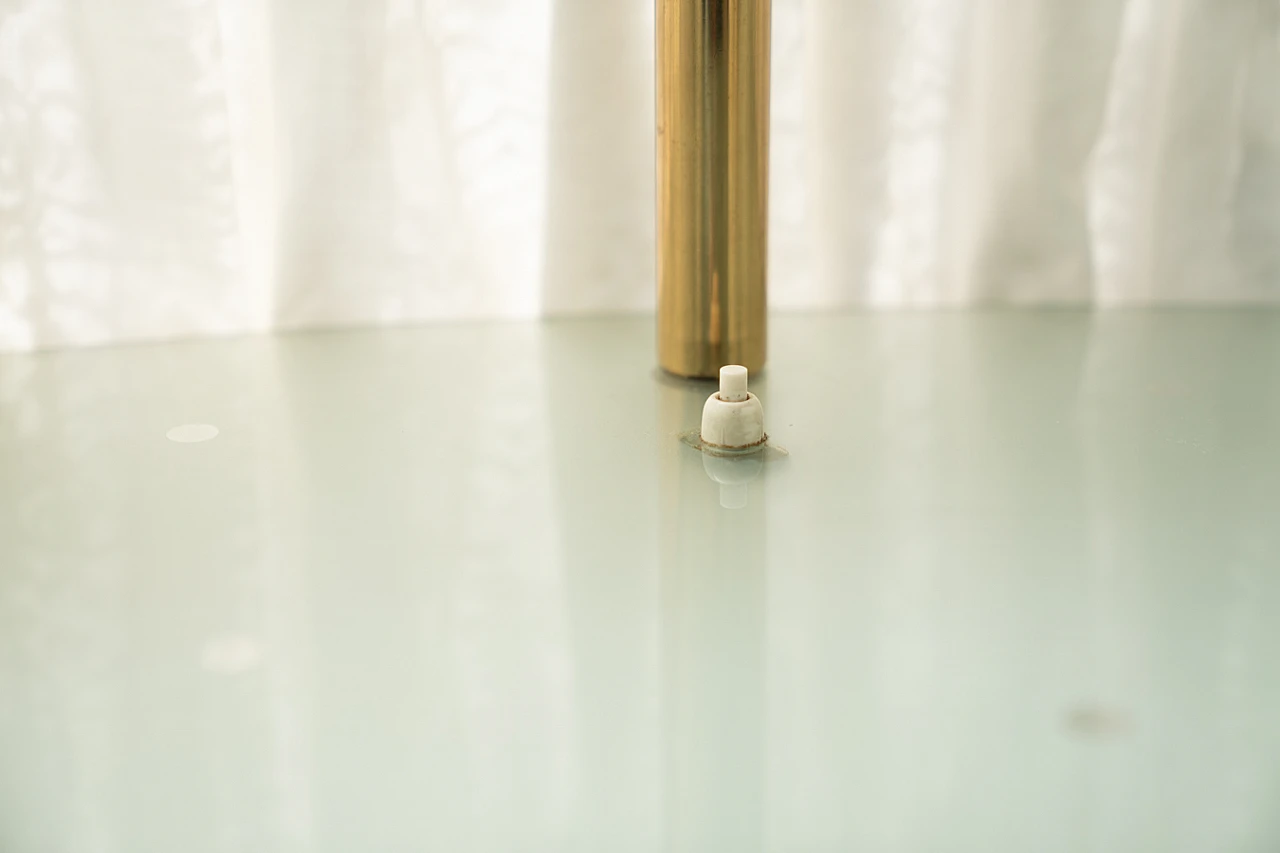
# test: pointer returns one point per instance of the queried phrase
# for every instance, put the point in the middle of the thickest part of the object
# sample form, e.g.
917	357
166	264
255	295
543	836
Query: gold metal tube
713	183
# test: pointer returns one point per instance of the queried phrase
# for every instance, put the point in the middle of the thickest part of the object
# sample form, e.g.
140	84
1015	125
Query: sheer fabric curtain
175	167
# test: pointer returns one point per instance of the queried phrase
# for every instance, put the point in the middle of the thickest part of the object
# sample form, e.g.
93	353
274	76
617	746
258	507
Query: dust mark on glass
1098	722
192	433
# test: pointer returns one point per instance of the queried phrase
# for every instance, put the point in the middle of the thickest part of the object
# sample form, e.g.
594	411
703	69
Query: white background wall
176	167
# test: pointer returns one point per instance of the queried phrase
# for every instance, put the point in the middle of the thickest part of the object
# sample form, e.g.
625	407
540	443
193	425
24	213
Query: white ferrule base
733	417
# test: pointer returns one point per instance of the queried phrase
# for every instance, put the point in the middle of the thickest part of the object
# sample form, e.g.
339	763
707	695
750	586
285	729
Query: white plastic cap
733	383
733	417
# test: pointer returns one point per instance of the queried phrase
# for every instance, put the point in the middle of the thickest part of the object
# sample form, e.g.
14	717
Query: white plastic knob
733	383
733	417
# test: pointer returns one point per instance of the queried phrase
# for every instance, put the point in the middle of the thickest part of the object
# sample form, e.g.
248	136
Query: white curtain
190	167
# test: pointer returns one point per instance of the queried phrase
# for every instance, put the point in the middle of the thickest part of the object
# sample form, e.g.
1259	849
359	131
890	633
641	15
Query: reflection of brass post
713	571
713	183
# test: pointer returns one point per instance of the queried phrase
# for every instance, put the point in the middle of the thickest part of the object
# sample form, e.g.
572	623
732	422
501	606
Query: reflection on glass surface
713	566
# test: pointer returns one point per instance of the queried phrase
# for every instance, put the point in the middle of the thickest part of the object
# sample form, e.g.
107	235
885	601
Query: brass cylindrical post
713	183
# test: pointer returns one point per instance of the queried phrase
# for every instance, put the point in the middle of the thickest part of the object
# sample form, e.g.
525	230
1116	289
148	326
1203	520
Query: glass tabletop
463	588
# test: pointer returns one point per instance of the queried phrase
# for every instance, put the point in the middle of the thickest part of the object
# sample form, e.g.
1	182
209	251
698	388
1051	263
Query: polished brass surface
713	183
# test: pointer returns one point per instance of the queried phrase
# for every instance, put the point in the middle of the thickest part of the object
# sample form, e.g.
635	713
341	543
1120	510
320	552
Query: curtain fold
174	168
